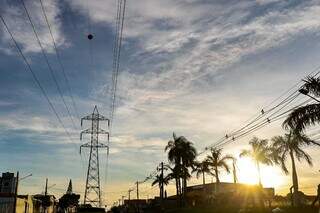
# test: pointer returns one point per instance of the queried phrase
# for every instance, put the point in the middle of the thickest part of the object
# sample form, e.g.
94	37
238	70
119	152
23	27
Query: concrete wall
6	204
24	204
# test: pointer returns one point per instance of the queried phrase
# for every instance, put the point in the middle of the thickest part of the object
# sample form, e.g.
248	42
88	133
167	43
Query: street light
25	177
49	187
304	91
20	179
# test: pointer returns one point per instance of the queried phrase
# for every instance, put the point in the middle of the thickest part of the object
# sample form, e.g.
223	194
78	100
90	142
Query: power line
263	112
116	64
117	52
251	126
257	121
47	62
59	59
263	124
43	91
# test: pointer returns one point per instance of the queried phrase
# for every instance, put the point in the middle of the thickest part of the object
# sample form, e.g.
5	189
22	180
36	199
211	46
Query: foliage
292	142
69	200
201	168
217	161
260	153
290	145
181	154
307	115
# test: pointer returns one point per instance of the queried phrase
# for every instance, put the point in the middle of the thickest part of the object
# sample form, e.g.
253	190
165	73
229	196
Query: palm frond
304	138
283	160
303	155
156	181
312	84
225	166
303	117
245	153
227	157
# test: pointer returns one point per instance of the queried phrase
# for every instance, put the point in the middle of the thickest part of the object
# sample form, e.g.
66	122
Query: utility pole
123	199
235	178
45	194
46	188
16	194
137	183
92	193
129	192
161	186
162	180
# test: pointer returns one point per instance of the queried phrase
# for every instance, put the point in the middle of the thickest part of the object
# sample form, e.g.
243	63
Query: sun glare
248	174
247	171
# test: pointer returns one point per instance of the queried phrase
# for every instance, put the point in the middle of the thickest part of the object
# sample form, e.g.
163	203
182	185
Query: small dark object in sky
90	36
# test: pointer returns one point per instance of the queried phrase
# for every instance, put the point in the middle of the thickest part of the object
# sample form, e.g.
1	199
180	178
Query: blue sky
196	67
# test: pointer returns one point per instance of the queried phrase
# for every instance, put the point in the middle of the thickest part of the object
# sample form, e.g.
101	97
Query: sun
247	173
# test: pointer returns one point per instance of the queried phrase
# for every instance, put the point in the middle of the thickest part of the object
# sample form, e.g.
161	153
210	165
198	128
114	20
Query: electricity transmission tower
92	193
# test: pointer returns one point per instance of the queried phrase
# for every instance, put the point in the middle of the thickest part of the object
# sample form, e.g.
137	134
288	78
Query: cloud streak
16	18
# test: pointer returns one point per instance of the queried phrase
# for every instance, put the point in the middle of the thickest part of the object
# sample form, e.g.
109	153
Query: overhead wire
57	53
257	121
90	40
118	44
263	113
37	81
264	123
48	64
51	70
120	17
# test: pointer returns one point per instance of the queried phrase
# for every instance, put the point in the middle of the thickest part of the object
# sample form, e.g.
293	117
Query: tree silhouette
307	115
202	168
159	180
182	154
290	145
260	153
234	170
175	174
217	161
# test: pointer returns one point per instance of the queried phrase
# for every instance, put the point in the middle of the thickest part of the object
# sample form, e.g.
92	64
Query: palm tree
234	170
216	161
182	154
307	115
202	168
160	181
188	156
176	174
291	145
260	153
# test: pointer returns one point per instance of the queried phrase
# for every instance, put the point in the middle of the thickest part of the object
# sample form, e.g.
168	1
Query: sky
198	68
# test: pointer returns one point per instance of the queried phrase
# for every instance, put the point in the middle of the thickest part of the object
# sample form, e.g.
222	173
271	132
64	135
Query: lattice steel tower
92	193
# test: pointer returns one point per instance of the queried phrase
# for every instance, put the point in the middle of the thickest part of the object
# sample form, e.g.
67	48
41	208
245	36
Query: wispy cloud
16	18
199	68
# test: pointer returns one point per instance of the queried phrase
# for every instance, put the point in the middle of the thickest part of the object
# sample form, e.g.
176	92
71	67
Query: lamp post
304	91
16	194
25	177
16	189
